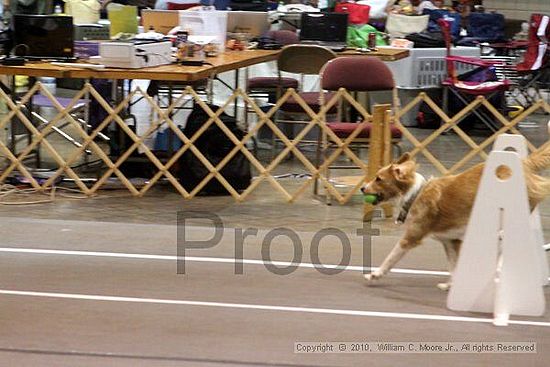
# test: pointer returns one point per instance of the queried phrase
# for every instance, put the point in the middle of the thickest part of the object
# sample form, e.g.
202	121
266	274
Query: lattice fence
42	135
340	149
452	123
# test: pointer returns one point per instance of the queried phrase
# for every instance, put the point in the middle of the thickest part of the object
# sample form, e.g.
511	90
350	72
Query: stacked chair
536	60
482	80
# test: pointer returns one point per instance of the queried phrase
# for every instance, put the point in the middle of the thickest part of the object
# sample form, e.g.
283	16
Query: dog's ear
397	172
404	157
404	170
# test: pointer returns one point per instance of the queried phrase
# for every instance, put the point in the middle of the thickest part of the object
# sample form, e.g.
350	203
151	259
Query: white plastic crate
426	67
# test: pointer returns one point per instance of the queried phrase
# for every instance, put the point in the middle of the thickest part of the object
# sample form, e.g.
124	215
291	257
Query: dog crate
424	71
426	67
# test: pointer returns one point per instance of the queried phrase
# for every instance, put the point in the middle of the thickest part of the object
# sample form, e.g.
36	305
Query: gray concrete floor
47	329
114	245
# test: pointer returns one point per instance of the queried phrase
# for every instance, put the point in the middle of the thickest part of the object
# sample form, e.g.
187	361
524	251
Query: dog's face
393	180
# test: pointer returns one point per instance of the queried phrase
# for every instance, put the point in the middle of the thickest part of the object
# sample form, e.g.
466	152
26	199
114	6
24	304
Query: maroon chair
357	74
535	65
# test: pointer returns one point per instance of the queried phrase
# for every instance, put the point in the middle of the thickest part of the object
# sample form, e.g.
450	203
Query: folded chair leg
479	114
273	143
445	105
317	163
325	147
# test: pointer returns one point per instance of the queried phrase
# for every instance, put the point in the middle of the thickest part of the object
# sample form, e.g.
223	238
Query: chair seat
272	82
478	89
311	99
344	129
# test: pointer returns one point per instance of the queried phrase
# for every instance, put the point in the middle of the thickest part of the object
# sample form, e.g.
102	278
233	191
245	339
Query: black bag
427	39
215	146
268	43
249	5
5	42
427	118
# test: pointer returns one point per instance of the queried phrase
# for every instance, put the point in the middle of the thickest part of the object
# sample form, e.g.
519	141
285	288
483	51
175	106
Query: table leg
12	123
236	107
171	133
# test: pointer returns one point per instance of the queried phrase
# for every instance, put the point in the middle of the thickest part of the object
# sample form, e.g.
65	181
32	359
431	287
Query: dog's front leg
418	227
400	249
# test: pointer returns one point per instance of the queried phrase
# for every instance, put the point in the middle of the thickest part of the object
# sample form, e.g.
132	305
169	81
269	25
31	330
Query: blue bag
486	26
436	14
480	74
162	141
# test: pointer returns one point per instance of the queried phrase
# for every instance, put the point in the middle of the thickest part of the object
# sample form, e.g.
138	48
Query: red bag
358	13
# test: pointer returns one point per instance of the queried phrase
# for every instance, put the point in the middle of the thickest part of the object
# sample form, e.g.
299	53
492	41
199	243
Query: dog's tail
538	186
540	160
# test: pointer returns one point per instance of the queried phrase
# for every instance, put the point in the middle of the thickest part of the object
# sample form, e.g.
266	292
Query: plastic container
83	11
426	67
123	19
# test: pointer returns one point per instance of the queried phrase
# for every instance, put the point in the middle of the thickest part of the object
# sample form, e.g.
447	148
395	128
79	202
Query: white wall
518	9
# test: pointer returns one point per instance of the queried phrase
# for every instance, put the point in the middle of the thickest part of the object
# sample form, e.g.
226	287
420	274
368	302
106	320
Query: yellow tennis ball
370	198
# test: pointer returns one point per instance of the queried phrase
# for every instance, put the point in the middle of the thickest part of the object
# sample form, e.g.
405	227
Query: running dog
440	207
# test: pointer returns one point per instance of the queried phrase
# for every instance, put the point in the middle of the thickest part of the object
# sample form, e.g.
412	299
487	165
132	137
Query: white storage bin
426	67
206	23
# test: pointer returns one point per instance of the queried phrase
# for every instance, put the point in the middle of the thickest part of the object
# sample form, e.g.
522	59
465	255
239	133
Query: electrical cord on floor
23	194
85	164
293	175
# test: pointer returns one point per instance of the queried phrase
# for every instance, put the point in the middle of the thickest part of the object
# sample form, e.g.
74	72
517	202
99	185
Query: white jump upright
518	144
501	264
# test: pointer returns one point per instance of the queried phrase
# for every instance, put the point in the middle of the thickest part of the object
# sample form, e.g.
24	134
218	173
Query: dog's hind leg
452	248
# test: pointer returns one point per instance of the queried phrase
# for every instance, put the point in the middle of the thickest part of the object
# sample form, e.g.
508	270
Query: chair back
304	59
284	37
445	26
537	53
357	74
446	31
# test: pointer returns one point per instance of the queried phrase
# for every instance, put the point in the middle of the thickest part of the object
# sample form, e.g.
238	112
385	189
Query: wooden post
387	156
377	143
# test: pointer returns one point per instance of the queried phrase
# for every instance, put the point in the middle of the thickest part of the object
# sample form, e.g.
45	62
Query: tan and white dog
440	207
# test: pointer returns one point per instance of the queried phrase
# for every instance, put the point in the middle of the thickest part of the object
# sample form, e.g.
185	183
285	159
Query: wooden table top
225	62
383	53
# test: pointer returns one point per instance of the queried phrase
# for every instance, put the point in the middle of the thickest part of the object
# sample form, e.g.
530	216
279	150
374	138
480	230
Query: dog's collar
410	196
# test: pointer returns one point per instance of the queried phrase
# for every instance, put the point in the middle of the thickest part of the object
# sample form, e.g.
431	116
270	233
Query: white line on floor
213	260
329	311
208	259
